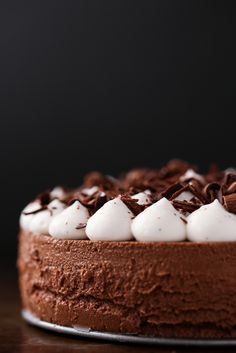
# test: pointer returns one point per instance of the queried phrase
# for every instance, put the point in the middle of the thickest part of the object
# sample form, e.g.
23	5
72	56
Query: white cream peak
70	223
143	198
211	223
25	219
90	191
191	174
112	222
159	222
57	193
41	220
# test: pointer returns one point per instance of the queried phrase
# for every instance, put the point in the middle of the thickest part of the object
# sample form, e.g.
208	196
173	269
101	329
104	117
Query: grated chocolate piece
132	204
44	198
185	206
44	207
211	191
104	182
171	190
196	188
227	181
231	188
229	202
81	226
178	192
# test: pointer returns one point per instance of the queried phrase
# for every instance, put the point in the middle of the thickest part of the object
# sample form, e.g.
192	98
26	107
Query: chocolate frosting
154	289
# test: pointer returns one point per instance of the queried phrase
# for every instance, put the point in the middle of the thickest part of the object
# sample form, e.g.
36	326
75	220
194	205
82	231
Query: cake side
180	289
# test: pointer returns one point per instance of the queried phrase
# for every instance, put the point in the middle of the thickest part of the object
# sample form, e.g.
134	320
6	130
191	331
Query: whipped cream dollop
70	223
230	170
159	222
111	222
211	223
57	193
191	174
90	191
143	198
41	220
26	215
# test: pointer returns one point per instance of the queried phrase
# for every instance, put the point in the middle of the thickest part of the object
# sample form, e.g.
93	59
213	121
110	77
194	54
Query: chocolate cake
152	253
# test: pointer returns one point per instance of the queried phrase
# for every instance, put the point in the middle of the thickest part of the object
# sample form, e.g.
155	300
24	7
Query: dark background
110	85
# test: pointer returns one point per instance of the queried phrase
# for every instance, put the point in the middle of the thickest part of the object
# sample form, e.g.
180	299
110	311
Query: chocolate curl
231	189
229	202
93	202
178	192
44	207
171	190
142	179
196	188
104	182
175	167
133	190
228	179
185	206
44	198
212	191
132	204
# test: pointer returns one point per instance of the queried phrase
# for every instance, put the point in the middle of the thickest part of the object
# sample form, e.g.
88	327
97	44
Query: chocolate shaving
44	198
227	181
211	191
175	167
81	226
178	192
184	220
171	190
132	204
35	211
196	189
93	202
104	182
71	200
229	178
229	202
231	189
142	179
185	206
163	182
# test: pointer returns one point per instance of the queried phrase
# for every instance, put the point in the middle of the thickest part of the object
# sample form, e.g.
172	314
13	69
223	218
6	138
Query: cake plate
109	336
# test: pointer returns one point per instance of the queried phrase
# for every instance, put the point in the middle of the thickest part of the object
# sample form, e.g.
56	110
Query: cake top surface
170	181
135	200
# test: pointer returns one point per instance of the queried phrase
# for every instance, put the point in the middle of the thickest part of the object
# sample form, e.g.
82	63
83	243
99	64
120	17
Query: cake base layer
151	289
114	337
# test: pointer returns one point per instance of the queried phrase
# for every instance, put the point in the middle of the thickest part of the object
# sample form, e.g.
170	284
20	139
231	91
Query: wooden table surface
17	336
